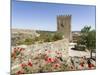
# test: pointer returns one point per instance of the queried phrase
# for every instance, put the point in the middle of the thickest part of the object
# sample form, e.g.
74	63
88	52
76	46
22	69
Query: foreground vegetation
45	36
88	39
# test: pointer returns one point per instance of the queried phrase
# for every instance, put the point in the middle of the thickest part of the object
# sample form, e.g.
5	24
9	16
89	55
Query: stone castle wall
64	25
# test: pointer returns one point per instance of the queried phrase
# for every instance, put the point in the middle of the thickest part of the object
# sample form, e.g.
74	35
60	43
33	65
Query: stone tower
64	26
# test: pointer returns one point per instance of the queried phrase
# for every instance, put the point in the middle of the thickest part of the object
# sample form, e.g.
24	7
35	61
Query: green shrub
48	38
45	37
57	36
27	41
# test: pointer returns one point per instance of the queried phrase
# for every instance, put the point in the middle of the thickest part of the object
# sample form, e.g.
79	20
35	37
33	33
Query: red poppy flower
49	60
30	64
90	66
20	72
82	65
56	65
23	65
21	49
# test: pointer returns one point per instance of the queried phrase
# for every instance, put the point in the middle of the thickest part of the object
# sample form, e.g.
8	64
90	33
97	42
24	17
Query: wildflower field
47	57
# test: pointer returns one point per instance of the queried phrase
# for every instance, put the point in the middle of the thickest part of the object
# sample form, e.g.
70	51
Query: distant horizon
42	16
41	30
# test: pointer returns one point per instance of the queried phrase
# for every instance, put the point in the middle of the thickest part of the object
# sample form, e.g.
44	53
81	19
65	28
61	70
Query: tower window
62	25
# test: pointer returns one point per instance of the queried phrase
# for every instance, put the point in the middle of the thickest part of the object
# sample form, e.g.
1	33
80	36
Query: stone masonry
64	26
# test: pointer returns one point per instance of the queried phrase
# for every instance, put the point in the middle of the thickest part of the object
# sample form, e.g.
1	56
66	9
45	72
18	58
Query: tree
57	36
91	41
88	38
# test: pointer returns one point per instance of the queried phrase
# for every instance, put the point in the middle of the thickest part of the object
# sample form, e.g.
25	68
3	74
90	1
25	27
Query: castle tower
64	26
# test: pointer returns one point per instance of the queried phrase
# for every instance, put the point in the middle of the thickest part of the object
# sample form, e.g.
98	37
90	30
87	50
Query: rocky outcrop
58	49
47	57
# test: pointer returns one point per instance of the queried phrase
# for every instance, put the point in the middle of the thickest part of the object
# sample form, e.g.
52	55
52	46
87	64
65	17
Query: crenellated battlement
62	16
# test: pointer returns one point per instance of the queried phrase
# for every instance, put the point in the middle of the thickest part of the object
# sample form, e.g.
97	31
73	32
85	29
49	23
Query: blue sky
42	16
